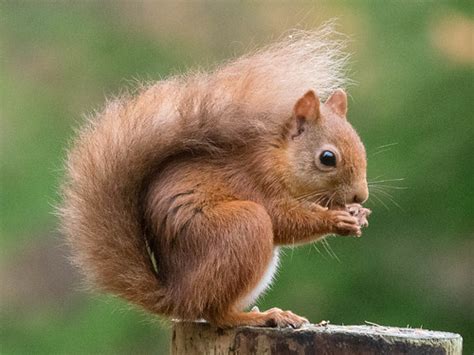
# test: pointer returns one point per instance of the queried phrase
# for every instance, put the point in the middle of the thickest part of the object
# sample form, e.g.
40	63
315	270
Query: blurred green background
412	104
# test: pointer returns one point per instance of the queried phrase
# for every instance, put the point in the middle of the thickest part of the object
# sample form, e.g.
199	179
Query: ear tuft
338	102
307	106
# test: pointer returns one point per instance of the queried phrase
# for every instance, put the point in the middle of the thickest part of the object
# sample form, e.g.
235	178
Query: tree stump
202	338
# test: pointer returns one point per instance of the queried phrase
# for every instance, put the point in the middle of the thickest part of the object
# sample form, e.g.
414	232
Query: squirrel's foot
359	212
343	223
274	317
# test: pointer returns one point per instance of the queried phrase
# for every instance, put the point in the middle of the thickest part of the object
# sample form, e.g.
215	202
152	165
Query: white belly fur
265	281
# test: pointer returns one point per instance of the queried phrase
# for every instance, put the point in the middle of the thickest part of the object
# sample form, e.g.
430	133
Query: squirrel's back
114	157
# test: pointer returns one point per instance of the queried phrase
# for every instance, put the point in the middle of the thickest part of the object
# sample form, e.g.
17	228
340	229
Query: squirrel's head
327	157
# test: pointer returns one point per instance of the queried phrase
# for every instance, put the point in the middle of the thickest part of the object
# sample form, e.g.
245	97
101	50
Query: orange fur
210	173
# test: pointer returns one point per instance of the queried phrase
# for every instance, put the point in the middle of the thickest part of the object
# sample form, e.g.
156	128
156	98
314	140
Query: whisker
387	180
381	201
390	197
326	248
317	249
330	251
389	186
378	177
330	199
316	201
321	197
303	195
386	145
371	201
310	195
379	189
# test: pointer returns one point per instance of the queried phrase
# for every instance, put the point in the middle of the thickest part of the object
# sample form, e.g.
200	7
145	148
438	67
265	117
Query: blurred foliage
412	104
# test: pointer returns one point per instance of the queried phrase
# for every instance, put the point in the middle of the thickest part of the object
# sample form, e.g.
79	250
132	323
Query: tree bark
202	338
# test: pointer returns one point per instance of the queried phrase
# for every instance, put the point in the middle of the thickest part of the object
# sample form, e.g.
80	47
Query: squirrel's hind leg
242	251
224	254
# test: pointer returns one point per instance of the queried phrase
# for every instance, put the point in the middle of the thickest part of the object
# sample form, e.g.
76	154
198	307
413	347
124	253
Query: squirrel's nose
361	195
358	199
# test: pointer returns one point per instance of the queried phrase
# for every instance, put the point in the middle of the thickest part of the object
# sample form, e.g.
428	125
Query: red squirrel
179	197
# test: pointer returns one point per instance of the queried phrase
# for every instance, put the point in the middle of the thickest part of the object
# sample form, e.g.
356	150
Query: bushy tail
114	157
101	212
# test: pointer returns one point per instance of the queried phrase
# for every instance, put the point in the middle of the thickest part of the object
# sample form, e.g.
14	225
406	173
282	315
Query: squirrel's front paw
343	223
359	212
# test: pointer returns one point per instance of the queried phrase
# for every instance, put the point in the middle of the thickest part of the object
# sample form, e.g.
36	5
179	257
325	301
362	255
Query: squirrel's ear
306	109
338	102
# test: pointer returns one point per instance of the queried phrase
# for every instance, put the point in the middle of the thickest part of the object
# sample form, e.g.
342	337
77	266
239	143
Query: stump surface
203	338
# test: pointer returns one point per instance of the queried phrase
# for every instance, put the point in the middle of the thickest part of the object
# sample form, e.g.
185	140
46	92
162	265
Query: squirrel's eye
328	158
